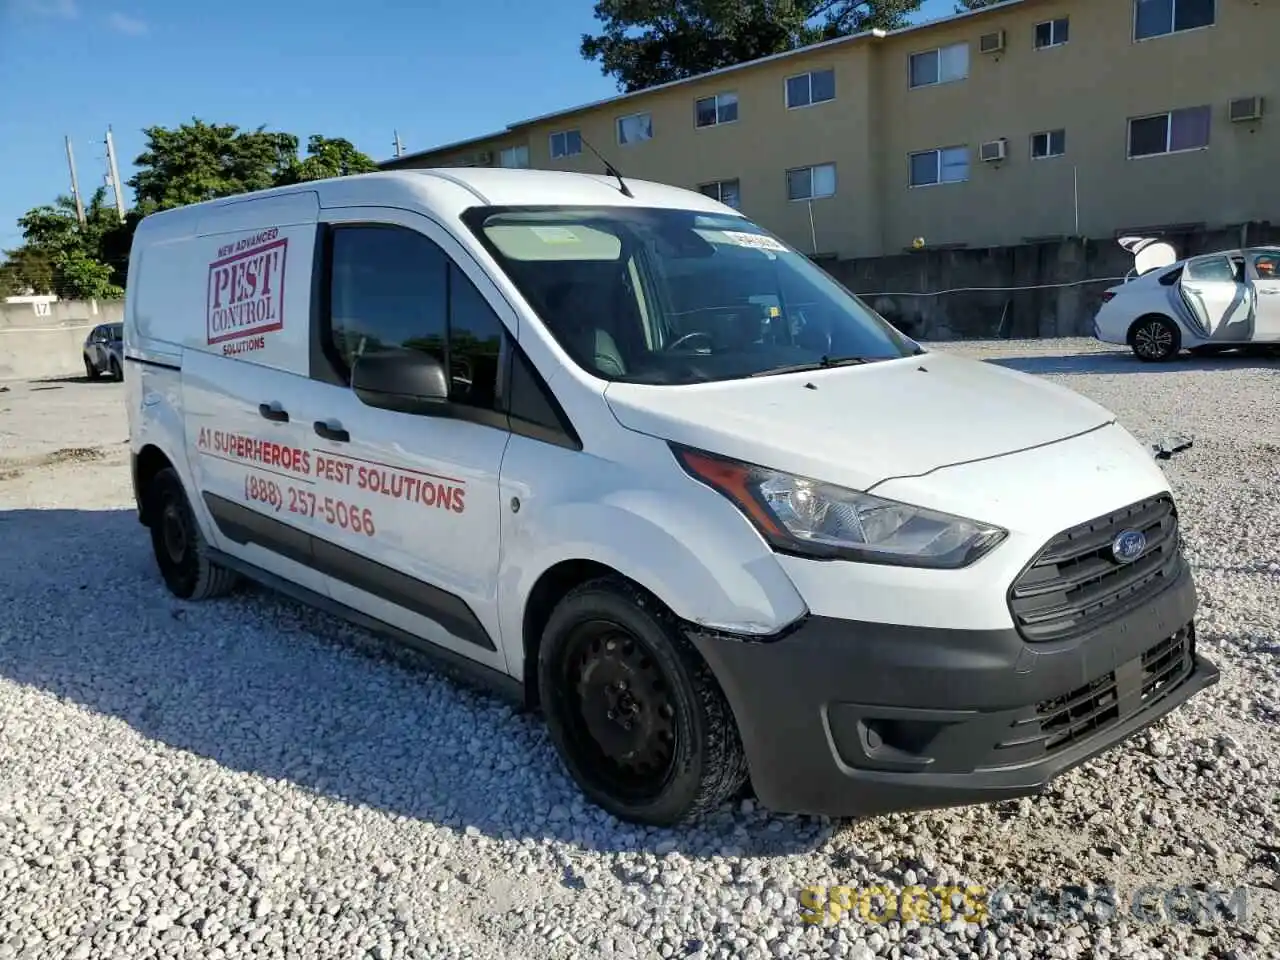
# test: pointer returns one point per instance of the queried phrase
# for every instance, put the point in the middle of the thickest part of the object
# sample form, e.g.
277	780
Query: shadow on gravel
1112	363
263	685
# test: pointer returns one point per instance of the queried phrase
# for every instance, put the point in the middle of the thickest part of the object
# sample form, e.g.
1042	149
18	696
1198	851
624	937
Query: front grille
1075	584
1119	694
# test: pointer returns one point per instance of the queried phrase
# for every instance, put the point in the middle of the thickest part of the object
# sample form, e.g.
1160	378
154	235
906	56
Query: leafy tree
328	157
203	161
196	161
964	6
644	43
60	256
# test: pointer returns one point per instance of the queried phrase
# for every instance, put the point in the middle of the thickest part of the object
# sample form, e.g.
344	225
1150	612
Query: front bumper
846	718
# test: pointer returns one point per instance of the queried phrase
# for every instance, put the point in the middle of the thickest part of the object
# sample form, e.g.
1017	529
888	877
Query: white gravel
247	777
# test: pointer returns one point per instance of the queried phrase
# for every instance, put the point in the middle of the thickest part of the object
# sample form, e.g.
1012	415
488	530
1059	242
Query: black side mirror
407	381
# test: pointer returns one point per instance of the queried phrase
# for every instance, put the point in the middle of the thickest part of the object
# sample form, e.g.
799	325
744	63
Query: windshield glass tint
675	296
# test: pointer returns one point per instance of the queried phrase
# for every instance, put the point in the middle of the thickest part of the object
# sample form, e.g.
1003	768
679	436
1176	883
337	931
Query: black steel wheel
637	717
1155	339
181	552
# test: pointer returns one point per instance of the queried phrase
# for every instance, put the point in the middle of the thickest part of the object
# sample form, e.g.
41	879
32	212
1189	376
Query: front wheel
181	551
1155	339
90	371
116	372
637	717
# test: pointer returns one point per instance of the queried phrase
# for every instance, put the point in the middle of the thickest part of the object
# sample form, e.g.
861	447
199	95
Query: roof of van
450	191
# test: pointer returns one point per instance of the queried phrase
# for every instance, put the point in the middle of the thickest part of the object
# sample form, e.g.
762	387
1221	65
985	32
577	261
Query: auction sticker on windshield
756	240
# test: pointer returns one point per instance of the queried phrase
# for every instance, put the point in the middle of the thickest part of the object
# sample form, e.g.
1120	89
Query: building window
1051	143
807	89
635	128
1052	33
567	143
943	65
710	111
944	165
1170	132
811	183
726	191
514	157
1159	18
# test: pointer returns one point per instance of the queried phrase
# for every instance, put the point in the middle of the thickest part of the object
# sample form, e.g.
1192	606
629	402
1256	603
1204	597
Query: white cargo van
622	454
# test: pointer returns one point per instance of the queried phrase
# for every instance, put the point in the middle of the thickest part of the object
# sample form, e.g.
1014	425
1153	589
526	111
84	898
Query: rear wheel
639	721
181	551
90	370
1155	339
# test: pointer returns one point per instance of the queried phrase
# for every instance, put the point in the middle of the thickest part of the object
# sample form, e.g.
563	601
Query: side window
475	344
1212	270
1267	266
388	292
393	289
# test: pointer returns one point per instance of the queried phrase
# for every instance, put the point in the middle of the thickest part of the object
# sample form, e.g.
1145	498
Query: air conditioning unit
991	42
993	150
1245	109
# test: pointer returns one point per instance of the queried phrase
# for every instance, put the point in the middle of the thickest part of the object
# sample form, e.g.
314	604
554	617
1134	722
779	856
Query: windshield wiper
823	364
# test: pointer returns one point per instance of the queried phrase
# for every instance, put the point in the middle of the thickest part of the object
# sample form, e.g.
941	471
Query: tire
116	373
1155	339
678	754
90	371
181	551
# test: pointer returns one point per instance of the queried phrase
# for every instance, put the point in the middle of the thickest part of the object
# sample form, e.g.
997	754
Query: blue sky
437	71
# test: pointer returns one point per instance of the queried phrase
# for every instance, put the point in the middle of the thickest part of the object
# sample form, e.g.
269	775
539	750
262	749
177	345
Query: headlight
814	519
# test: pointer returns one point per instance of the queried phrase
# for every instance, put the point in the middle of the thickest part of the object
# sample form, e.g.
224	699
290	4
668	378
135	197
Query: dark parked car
104	351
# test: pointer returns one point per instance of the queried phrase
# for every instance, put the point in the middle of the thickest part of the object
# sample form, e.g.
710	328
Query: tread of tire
213	580
726	762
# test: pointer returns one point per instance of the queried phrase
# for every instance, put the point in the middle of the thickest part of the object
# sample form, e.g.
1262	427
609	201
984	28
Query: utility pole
399	145
75	182
115	174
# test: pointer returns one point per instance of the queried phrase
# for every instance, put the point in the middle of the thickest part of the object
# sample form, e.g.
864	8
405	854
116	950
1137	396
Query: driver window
1267	265
394	289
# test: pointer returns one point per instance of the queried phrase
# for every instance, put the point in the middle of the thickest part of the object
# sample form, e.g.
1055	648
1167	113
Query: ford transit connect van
621	453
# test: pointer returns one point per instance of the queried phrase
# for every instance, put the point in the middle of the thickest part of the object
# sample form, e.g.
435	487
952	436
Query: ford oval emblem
1128	546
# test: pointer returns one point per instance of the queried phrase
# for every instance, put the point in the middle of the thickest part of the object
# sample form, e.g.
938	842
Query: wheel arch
554	583
147	462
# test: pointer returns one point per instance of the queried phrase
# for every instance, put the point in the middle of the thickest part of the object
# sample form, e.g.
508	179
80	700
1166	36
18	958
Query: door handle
332	431
274	412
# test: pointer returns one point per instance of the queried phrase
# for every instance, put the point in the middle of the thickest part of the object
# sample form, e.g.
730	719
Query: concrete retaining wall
33	346
1050	289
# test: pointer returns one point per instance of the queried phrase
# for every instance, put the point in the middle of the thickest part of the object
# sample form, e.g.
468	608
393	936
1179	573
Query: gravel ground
248	777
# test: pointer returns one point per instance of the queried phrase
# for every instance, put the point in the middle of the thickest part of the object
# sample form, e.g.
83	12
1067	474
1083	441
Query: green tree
203	161
196	161
59	255
644	43
964	6
328	157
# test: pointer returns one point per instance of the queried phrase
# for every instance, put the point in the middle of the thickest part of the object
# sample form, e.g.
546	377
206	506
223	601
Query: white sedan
1204	304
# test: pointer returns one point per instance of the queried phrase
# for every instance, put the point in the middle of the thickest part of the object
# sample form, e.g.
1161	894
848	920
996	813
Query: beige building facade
1027	120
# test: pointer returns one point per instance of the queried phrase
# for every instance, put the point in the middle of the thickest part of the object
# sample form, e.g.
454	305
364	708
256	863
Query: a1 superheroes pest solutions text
306	467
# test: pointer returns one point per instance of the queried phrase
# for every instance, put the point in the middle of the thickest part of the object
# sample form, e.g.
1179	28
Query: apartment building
1029	119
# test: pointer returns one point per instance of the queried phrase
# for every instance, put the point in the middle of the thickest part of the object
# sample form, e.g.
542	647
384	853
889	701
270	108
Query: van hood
862	425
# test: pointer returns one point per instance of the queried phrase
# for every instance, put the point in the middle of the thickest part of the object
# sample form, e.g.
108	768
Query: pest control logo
1128	546
246	287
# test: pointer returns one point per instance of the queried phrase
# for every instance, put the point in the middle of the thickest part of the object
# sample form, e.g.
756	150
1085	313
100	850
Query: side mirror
406	381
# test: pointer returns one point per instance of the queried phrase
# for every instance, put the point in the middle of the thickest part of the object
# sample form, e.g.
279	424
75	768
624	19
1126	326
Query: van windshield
663	296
